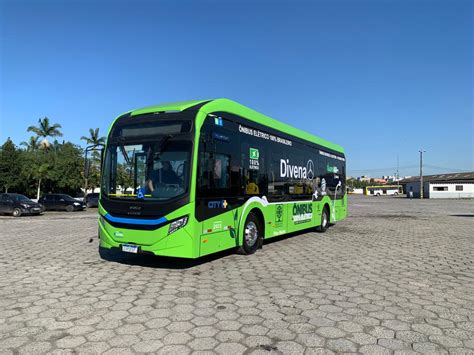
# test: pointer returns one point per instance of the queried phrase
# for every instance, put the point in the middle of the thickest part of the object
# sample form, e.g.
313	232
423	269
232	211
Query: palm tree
93	138
32	144
45	130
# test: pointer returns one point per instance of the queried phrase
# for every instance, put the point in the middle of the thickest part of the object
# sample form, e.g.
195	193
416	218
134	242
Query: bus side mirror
101	156
87	165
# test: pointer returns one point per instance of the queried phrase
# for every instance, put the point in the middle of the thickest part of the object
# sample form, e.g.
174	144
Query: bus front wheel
252	237
324	221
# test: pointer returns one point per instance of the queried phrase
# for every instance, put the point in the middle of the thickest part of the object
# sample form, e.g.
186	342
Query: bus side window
221	178
276	185
255	180
251	183
214	171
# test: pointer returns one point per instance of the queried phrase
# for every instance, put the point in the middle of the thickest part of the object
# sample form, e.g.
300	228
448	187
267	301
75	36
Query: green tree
124	178
45	130
10	167
92	178
94	138
57	169
65	173
32	144
35	169
41	164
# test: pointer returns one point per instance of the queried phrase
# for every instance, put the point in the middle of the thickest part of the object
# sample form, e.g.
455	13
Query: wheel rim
251	234
325	219
16	213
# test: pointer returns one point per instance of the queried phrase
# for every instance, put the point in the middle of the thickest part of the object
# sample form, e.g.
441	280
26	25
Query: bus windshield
156	170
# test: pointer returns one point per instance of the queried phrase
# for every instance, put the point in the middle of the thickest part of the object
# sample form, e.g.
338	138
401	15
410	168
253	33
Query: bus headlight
178	224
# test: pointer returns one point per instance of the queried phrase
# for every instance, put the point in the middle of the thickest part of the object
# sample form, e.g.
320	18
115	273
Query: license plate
130	248
36	209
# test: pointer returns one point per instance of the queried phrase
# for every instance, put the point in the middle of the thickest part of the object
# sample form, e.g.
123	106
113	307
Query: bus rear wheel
323	227
252	237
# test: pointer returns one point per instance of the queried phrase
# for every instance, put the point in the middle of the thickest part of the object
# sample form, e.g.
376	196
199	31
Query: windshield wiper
124	152
164	143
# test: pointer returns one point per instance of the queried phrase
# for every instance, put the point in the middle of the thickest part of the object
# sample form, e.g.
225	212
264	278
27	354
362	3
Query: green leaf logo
254	154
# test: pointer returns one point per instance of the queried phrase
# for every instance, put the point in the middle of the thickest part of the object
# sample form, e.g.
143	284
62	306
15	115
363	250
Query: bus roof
171	106
226	105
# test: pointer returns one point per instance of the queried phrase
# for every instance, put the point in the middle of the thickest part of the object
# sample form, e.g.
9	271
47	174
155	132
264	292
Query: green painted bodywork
225	230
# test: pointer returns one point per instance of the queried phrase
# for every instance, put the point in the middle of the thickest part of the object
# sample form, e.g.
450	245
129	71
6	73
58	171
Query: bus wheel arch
253	232
258	212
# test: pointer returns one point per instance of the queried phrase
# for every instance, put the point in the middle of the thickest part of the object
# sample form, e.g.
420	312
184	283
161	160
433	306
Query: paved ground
396	276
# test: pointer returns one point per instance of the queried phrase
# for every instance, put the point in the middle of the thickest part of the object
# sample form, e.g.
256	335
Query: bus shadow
462	215
160	262
164	262
288	236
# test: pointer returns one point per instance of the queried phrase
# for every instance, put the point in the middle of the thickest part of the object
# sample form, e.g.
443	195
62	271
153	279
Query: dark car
16	205
92	200
61	202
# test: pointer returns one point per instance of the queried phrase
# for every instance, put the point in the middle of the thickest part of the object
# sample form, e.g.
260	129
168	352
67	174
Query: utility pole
421	172
397	175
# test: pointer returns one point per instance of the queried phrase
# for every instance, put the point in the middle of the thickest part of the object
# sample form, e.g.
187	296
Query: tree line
39	166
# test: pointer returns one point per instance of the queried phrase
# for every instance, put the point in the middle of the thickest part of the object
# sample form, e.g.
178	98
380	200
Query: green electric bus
192	178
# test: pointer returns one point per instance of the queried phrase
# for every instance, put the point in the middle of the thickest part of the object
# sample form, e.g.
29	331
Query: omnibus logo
302	212
217	204
296	171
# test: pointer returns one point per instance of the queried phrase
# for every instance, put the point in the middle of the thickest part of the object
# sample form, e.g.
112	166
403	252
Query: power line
406	167
446	169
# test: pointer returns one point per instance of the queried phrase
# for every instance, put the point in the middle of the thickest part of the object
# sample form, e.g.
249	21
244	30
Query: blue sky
381	78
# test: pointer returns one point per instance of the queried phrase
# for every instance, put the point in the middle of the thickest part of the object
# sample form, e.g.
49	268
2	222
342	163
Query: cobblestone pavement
396	277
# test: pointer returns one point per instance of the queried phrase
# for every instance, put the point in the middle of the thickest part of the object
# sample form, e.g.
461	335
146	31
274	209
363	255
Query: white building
458	185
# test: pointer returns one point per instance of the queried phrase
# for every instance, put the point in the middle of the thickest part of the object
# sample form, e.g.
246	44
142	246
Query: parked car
61	202
17	205
91	200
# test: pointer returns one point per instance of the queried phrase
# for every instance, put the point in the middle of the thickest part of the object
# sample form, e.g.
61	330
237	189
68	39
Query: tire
325	218
16	212
252	237
378	195
104	253
395	193
69	208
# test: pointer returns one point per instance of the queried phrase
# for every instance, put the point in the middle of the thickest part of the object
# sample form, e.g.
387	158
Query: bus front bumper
178	244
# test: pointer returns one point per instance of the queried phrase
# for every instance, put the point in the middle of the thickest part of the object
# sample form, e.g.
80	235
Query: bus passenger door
217	186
